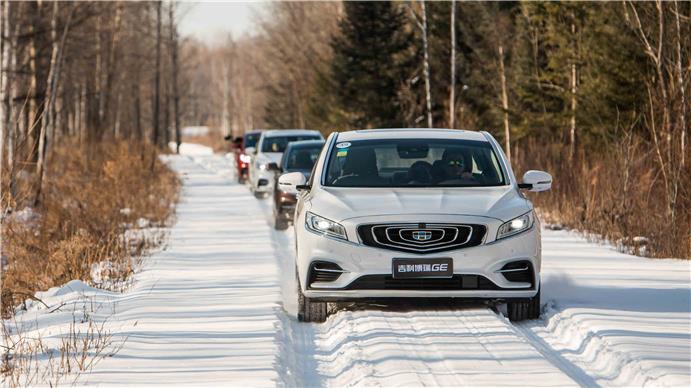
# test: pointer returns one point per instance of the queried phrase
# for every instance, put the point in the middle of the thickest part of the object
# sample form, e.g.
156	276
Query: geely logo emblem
422	235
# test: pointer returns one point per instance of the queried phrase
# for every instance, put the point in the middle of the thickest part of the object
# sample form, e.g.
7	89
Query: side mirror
273	167
250	150
535	180
289	182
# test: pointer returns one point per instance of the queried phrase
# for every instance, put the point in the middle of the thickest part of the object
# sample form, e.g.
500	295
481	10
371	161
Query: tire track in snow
555	358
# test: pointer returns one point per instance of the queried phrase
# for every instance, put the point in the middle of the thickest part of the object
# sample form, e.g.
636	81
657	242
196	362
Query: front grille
323	271
421	237
457	282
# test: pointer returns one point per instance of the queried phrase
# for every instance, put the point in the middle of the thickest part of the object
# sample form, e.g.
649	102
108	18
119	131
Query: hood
342	203
270	157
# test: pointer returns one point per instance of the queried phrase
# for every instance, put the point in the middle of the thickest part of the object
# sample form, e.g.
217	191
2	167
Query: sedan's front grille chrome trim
438	237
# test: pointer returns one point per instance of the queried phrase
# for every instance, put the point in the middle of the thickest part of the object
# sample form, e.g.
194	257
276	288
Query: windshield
302	158
279	143
414	163
251	139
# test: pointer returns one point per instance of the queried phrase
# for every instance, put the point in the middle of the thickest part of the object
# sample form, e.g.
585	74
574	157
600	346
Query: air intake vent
457	282
421	237
518	271
323	271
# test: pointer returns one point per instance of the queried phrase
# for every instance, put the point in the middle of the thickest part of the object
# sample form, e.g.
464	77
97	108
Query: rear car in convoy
418	214
299	156
242	159
269	149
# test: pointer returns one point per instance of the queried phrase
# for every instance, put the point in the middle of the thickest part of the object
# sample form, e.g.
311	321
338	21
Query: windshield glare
279	143
414	163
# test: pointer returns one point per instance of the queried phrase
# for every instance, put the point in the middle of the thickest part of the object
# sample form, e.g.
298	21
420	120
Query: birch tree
452	89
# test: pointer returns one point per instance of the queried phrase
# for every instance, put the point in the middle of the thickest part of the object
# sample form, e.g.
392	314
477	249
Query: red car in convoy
242	160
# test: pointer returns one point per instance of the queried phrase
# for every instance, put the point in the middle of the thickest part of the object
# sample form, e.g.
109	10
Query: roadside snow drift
216	307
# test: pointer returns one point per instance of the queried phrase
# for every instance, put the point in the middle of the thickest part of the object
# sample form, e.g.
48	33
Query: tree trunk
47	103
32	113
225	115
574	91
505	103
428	93
682	90
452	92
174	65
5	53
157	80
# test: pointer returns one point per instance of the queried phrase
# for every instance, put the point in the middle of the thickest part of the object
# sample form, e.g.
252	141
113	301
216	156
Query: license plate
422	268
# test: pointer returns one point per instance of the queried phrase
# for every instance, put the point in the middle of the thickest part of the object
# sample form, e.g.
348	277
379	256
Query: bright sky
212	21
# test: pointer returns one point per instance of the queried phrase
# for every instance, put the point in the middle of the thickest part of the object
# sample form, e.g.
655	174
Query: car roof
289	132
411	133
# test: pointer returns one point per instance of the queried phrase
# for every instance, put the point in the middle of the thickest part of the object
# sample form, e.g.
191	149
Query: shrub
91	196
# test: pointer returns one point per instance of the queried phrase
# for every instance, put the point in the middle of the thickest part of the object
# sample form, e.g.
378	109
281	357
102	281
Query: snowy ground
217	305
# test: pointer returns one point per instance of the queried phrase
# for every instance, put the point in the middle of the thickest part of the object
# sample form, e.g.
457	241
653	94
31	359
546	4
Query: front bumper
284	205
358	260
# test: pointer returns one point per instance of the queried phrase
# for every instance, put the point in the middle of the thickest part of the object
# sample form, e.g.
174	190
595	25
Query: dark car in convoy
299	156
242	160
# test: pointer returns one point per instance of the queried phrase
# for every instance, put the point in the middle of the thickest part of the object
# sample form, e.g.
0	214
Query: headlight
262	166
245	158
323	226
515	226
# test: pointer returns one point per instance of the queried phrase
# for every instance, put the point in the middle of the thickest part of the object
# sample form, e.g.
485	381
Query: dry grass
615	194
91	196
63	356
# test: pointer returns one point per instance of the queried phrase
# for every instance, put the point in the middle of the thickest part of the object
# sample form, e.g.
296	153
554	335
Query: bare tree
174	47
422	24
157	80
5	58
47	123
504	102
452	91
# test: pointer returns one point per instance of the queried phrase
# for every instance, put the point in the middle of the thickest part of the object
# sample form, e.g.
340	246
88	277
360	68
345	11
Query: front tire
310	310
280	223
524	309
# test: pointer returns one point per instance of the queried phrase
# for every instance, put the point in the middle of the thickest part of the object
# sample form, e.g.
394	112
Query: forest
92	92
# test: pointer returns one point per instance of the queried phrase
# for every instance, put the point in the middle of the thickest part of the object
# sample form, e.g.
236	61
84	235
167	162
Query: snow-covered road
215	307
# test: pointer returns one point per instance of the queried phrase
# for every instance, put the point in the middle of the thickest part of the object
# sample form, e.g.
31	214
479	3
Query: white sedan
269	149
416	213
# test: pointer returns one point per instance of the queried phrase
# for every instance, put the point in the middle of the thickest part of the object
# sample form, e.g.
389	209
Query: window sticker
342	153
345	144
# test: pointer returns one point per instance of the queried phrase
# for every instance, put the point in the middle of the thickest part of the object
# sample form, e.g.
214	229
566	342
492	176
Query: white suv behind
415	213
269	149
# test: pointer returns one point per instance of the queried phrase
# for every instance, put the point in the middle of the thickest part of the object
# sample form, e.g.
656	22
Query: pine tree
371	63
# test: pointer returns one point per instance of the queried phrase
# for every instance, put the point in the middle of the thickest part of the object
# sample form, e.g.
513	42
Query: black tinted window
251	140
302	158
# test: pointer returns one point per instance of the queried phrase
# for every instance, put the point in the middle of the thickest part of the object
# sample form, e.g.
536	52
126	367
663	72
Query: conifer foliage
371	63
